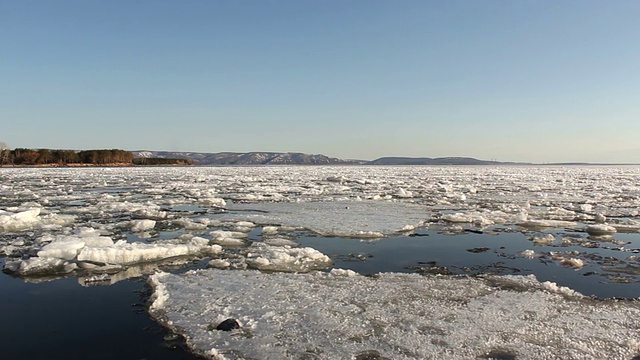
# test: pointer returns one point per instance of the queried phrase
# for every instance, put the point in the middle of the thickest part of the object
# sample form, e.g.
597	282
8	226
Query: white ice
68	247
123	253
400	316
142	225
31	218
366	219
38	266
285	258
601	229
349	201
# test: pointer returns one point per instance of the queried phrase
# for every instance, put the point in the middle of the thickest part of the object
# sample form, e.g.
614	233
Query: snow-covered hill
250	158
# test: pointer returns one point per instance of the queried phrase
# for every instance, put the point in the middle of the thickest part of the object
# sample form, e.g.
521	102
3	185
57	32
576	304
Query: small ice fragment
553	287
229	241
189	224
586	207
281	242
544	240
37	266
269	230
402	193
19	221
342	272
219	263
285	258
221	234
215	202
572	262
142	225
529	254
601	229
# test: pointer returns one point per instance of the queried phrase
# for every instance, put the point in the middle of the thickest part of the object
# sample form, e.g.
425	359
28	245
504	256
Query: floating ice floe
367	219
601	229
472	218
391	316
215	202
545	240
547	224
189	224
280	242
38	266
229	238
221	234
65	253
68	247
29	219
285	258
123	253
269	230
529	254
142	225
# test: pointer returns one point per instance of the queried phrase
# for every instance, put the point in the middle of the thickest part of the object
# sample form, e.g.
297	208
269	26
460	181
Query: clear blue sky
541	81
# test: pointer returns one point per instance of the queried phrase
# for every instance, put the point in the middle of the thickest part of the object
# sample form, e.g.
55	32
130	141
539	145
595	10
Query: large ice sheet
399	316
363	219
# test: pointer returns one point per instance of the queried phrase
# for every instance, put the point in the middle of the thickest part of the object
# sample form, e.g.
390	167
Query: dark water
60	319
474	254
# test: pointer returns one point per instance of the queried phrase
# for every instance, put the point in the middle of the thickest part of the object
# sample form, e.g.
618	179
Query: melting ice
109	224
342	315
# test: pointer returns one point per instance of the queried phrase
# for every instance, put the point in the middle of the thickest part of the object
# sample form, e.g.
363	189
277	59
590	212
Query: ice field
468	262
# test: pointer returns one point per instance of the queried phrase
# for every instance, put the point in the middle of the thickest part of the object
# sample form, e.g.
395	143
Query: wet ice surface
575	226
395	316
360	219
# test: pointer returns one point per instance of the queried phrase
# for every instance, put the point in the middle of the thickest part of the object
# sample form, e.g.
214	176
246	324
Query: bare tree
4	153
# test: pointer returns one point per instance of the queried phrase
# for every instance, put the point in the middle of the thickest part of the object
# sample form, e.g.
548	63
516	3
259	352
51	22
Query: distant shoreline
124	165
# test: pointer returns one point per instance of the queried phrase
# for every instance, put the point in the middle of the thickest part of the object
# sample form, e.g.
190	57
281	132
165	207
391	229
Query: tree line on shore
21	156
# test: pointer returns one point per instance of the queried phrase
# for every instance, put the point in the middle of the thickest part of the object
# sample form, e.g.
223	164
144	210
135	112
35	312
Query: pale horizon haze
531	81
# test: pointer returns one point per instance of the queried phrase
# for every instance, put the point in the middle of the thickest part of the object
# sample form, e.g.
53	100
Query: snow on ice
342	315
123	253
355	201
74	221
361	219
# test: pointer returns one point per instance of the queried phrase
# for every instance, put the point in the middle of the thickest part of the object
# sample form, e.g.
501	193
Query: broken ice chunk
142	225
601	229
19	221
123	253
37	266
543	240
285	259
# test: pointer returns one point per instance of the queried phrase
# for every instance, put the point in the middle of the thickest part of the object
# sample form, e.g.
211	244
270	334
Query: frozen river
322	262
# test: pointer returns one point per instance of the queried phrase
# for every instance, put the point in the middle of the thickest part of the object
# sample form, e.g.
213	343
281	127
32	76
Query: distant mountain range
276	158
433	161
250	158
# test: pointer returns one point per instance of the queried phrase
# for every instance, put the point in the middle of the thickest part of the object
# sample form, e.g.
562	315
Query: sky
535	81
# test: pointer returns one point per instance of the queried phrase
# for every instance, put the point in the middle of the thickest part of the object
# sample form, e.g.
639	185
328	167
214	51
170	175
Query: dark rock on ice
228	325
498	354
